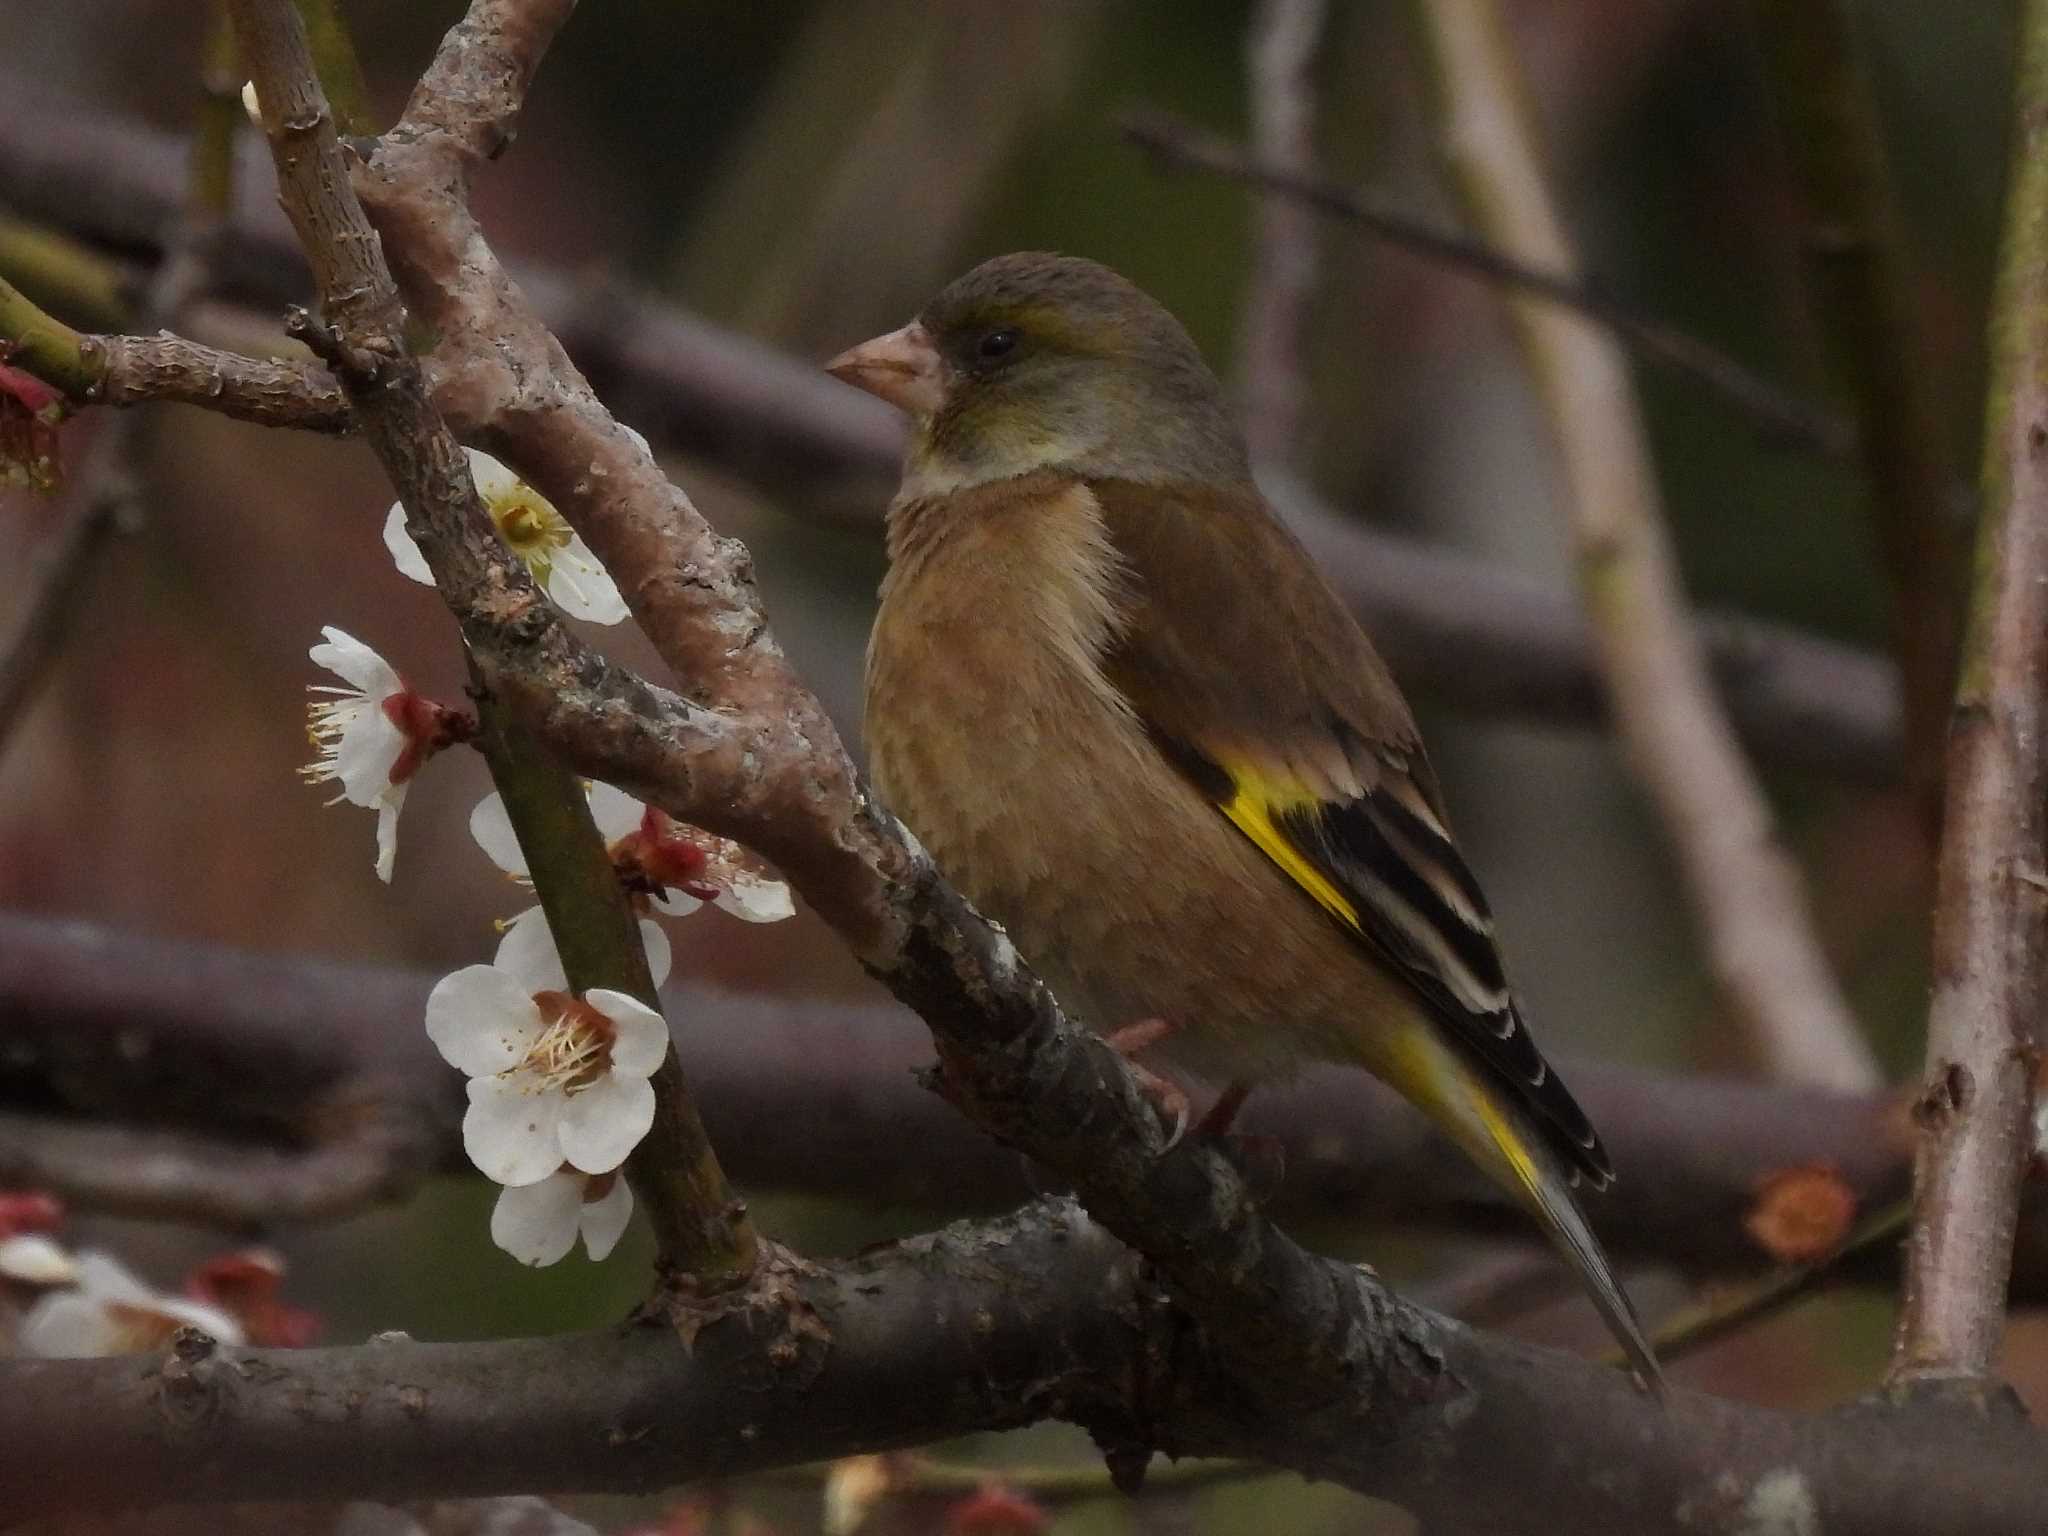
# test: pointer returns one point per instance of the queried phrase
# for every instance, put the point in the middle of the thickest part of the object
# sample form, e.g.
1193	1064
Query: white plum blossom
527	952
110	1312
527	949
372	735
539	1223
534	531
674	867
553	1079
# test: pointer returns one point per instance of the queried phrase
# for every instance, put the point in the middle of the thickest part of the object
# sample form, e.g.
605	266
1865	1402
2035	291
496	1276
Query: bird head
1035	361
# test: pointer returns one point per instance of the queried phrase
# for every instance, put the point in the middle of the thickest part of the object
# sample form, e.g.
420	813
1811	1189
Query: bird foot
1164	1095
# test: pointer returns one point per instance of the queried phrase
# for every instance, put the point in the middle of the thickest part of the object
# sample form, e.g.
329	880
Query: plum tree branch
1746	893
982	1326
1986	1029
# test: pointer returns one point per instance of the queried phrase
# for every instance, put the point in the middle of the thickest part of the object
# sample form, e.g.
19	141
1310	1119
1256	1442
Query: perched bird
1116	701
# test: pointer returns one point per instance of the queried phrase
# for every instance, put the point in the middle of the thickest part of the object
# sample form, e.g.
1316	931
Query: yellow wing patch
1254	801
1420	1066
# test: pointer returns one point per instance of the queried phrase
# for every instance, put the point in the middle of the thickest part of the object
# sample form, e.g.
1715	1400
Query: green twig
700	1224
1729	1309
337	64
66	274
48	348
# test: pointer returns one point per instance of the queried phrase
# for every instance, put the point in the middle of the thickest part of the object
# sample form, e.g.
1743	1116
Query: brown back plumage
1286	694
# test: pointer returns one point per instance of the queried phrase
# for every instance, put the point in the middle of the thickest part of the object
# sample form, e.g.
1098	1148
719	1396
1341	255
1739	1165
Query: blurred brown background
808	174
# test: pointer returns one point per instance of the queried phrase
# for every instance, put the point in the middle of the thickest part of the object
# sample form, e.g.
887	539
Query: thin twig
1278	54
1986	1028
700	1224
1729	1309
1746	893
1783	418
109	483
1862	283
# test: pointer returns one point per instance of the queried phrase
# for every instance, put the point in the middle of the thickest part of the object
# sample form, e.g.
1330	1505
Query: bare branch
1278	55
980	1327
1986	1028
1781	417
1745	891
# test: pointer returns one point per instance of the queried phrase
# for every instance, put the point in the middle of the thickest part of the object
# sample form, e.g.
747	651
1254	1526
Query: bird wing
1282	713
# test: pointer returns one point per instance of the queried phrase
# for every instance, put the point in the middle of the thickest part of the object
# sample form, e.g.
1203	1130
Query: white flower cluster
559	1090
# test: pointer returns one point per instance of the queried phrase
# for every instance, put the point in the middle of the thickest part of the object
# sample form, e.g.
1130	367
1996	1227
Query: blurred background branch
1862	280
1279	61
1747	893
1455	628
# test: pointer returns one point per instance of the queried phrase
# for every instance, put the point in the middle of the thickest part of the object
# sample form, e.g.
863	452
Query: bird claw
1167	1099
1164	1095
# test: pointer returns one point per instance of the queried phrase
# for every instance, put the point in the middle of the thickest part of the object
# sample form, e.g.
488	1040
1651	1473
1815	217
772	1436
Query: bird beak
902	367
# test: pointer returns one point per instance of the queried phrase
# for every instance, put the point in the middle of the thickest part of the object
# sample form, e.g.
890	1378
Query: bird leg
1163	1094
1216	1123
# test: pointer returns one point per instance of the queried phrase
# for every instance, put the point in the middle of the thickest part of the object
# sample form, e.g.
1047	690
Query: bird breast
994	734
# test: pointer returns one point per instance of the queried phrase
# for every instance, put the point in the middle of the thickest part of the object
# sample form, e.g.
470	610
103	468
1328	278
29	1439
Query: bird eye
996	345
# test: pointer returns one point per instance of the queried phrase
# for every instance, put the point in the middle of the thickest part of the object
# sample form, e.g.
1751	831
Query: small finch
1112	696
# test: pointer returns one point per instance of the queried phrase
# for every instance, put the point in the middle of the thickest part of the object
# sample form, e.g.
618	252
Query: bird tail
1505	1142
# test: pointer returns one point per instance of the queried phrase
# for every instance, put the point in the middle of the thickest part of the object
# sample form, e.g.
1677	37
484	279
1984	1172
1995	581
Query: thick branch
1456	629
982	1327
1745	891
1986	1027
173	1046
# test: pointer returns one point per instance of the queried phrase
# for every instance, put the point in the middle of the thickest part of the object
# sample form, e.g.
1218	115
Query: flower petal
582	588
604	1219
102	1277
528	955
387	830
756	901
67	1325
492	828
481	1020
642	1039
616	813
355	664
674	903
511	1130
34	1258
369	748
660	958
537	1223
604	1122
405	554
494	480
